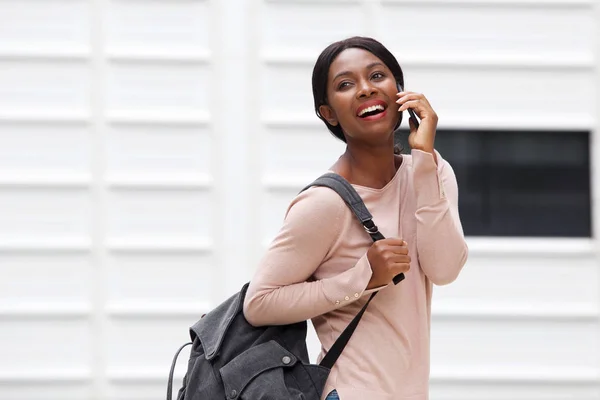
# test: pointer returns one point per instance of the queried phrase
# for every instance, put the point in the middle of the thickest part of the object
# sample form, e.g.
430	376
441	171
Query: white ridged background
148	149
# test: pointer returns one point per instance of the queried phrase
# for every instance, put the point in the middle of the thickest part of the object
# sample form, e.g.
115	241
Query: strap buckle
371	230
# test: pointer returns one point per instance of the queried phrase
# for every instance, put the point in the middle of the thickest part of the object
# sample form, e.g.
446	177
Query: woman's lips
374	117
371	103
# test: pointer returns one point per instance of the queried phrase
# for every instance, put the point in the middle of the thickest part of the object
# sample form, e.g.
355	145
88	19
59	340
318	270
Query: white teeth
370	109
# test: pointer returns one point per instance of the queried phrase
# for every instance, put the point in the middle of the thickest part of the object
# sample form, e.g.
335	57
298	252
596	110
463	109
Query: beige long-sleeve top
317	268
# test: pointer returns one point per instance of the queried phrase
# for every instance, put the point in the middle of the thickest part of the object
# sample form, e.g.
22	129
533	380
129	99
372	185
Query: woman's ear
327	113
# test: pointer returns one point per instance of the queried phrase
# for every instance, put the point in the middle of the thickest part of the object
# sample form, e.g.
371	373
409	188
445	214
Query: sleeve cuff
350	285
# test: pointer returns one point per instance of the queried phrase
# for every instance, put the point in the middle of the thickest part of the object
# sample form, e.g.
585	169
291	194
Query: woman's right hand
388	258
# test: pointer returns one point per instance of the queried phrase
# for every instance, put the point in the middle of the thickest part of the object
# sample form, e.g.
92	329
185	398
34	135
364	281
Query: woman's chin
383	130
375	132
383	126
377	136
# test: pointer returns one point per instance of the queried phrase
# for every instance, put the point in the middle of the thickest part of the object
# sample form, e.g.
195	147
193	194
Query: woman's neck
372	167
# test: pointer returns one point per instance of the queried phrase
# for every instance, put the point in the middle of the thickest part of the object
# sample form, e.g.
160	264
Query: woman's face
361	93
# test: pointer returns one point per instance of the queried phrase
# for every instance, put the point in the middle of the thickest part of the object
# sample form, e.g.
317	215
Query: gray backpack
231	359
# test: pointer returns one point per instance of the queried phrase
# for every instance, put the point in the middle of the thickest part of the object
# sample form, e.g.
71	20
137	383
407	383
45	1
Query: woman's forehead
353	60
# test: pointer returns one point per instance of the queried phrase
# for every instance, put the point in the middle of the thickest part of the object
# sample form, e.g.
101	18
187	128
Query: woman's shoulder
316	209
318	198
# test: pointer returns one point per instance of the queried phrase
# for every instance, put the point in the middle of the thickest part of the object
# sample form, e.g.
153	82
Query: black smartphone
412	114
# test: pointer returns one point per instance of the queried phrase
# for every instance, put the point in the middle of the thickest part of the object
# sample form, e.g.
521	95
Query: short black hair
327	56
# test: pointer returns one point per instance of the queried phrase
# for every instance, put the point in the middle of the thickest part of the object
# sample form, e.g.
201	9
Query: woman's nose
366	89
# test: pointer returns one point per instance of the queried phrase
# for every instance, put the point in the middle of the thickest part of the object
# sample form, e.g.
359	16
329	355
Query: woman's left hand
422	138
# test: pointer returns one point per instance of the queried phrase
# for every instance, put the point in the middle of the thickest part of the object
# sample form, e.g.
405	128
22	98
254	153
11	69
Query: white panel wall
107	199
150	148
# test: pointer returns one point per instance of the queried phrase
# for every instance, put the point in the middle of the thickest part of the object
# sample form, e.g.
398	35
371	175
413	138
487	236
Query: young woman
322	263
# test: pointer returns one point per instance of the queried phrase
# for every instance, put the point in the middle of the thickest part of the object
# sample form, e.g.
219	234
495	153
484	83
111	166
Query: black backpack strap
172	372
345	190
338	346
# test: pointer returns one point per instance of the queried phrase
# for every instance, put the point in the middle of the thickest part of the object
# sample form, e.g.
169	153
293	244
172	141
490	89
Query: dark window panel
520	183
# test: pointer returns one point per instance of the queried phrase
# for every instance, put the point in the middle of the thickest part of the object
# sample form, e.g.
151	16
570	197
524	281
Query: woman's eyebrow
343	73
374	64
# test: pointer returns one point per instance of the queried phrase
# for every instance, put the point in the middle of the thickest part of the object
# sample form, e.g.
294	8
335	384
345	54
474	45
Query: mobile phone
412	114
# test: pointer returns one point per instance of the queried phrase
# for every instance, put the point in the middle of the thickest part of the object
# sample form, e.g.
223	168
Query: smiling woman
322	264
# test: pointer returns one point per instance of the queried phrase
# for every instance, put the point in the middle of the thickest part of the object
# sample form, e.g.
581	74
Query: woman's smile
372	110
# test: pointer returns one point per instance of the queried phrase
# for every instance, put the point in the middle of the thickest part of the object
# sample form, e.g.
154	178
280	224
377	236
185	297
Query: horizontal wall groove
44	116
158	117
160	181
53	245
553	61
184	55
118	54
517	374
52	376
569	249
452	375
44	179
145	374
574	312
46	310
159	245
153	309
453	120
44	52
530	246
585	4
314	1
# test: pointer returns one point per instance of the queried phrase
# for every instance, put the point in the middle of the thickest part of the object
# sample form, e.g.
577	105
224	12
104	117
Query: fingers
393	241
400	259
415	101
395	262
399	264
391	248
399	250
403	97
416	105
401	268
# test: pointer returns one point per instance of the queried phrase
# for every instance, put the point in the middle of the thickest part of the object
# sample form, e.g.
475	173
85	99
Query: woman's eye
377	75
343	85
